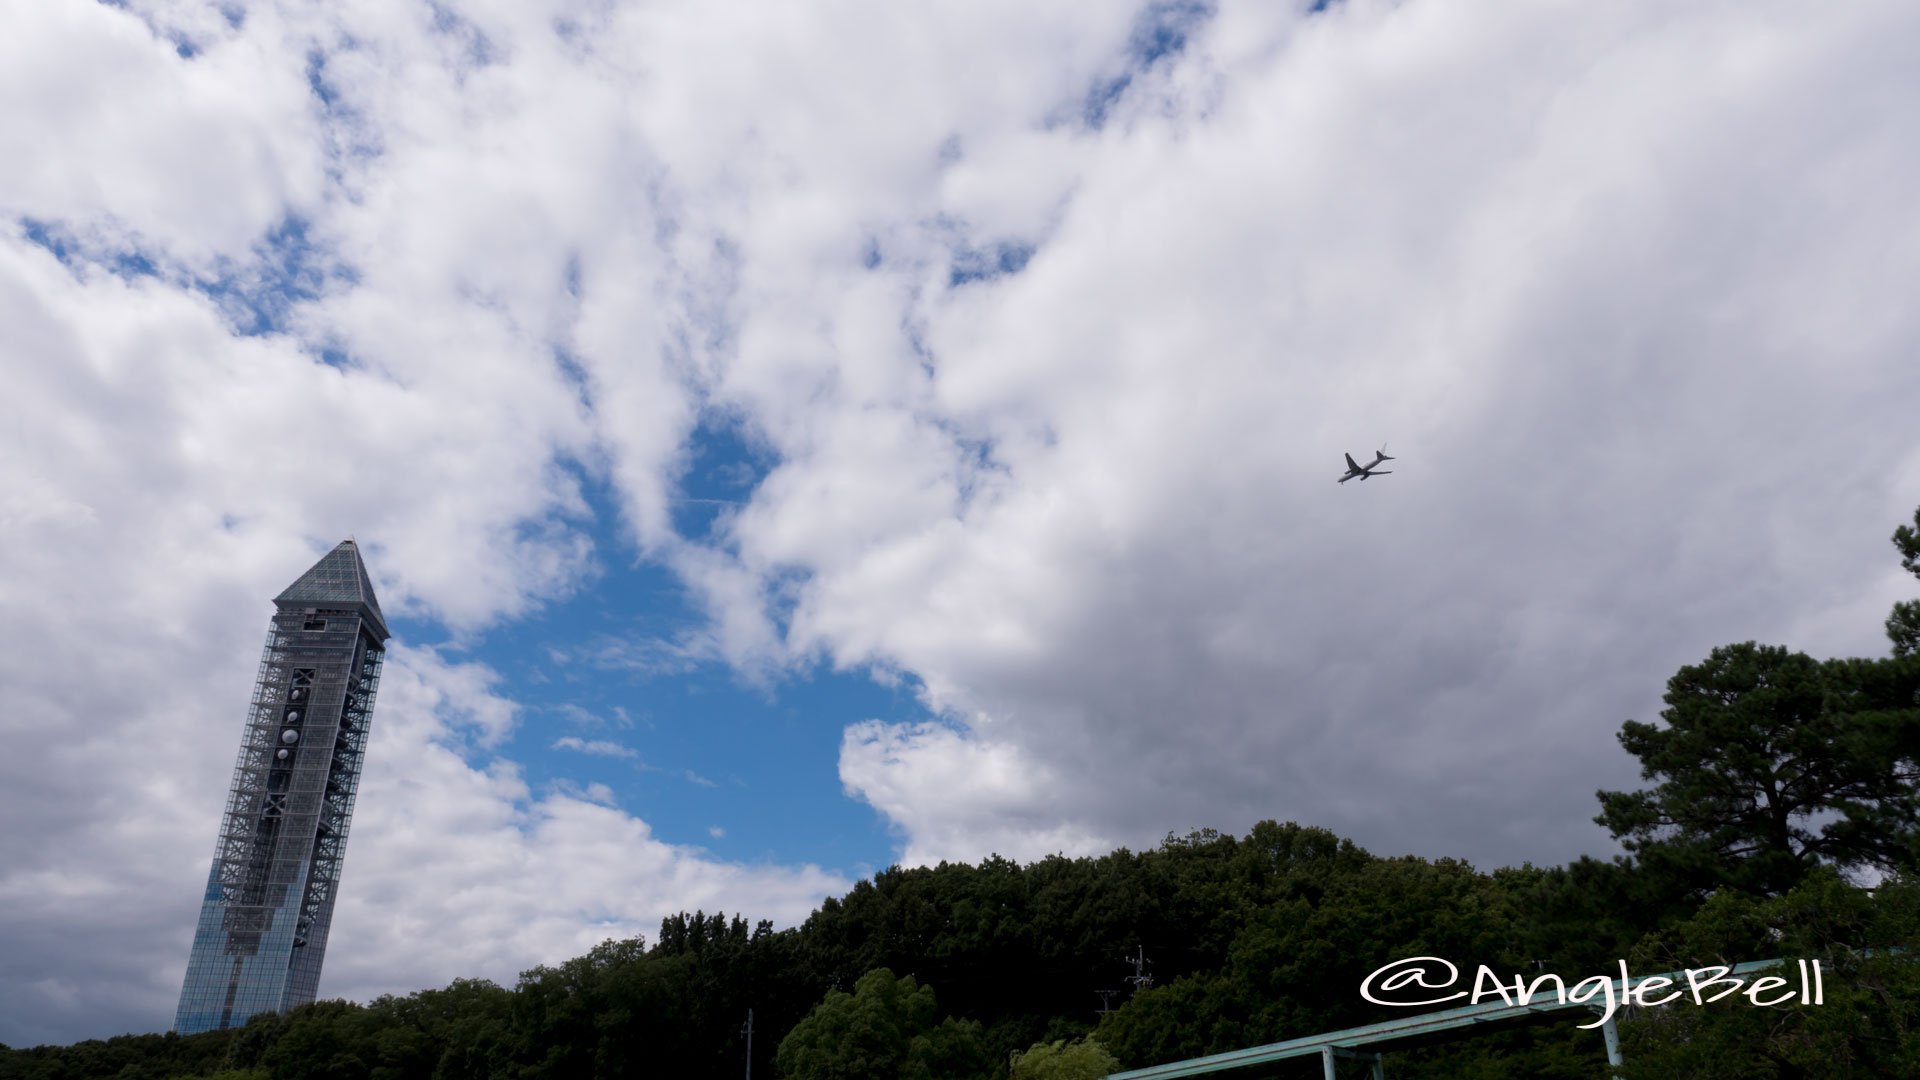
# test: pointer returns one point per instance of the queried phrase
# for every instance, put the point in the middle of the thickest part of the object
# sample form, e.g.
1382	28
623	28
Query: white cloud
1607	278
575	714
197	158
949	792
600	747
643	657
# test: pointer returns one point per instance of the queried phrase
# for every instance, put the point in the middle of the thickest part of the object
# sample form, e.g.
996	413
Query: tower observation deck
263	926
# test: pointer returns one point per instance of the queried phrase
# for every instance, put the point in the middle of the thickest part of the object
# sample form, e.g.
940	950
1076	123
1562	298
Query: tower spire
339	579
276	866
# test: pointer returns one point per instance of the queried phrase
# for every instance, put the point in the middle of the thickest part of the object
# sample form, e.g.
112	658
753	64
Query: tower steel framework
269	902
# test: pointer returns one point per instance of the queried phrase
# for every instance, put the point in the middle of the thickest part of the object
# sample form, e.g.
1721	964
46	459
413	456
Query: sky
791	439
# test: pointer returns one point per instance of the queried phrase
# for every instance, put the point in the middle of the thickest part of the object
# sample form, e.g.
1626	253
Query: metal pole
1326	1062
749	1044
1612	1035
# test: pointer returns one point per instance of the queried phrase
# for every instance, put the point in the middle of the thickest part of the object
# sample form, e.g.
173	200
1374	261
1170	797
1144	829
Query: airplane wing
1351	465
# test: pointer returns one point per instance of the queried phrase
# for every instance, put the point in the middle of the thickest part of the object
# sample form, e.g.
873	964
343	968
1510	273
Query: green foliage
1296	966
1771	763
327	1040
1254	939
450	1034
1868	944
678	1008
1081	1059
1903	626
885	1028
1021	949
134	1056
1583	916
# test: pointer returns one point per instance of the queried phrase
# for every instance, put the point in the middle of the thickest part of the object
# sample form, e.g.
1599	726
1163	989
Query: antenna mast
1140	979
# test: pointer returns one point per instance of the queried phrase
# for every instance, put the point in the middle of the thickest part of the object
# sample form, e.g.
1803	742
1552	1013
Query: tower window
315	624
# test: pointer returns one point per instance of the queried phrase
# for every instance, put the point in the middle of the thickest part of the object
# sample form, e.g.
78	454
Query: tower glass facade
276	865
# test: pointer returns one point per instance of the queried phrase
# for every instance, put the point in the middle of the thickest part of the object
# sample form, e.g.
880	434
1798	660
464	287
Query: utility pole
749	1044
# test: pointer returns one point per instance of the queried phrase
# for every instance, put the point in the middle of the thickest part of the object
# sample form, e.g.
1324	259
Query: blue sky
750	754
910	432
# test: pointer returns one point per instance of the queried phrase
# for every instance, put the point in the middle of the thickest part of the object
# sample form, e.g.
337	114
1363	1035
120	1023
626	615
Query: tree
1295	966
1867	1026
1581	917
1762	745
326	1040
1903	626
885	1028
1081	1059
1771	763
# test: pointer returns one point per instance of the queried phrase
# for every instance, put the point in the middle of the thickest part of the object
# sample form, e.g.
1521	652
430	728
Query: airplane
1356	470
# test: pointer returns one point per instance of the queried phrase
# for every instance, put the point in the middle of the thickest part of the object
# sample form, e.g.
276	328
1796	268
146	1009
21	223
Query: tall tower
276	866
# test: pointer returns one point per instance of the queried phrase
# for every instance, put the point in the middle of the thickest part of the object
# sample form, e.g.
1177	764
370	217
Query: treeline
1776	785
1251	939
